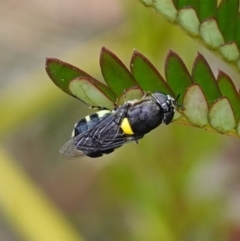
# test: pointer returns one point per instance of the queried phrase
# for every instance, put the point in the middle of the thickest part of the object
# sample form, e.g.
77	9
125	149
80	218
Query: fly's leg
98	108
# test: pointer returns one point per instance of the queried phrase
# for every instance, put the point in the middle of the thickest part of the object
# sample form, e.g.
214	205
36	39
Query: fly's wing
102	138
68	150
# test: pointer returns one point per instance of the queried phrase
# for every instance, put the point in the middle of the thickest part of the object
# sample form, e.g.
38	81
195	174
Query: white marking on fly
87	118
73	131
102	113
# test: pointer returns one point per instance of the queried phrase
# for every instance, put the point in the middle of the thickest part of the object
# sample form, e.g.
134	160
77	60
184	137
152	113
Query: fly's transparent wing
104	137
85	148
68	150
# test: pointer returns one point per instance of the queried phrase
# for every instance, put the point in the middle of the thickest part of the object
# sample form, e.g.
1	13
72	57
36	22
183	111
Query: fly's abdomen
89	122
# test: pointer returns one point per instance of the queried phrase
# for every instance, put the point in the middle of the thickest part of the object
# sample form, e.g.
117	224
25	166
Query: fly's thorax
89	122
144	117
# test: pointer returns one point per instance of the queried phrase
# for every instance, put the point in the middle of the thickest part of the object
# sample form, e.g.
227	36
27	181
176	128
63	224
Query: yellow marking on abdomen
126	127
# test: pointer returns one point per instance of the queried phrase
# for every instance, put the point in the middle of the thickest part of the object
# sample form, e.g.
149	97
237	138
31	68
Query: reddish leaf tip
171	53
138	54
105	50
201	58
222	74
199	55
135	52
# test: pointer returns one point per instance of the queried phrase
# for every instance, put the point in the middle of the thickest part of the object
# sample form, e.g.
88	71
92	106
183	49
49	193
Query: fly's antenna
177	97
178	105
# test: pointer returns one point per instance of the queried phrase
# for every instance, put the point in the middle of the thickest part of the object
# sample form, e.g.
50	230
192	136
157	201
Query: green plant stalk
27	208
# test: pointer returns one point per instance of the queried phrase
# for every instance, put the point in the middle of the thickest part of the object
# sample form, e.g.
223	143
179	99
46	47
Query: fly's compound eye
169	109
168	117
168	105
166	101
160	97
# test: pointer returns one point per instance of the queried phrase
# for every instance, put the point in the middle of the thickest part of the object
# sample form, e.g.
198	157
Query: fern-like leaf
209	103
218	26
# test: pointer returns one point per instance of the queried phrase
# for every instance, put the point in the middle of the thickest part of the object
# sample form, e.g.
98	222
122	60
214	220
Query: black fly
106	130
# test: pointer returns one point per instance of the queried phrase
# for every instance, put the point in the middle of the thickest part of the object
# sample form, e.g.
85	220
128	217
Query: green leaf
230	51
211	34
227	16
115	73
205	100
88	92
147	3
177	115
63	73
228	90
238	127
186	3
202	75
177	75
217	26
208	9
195	106
221	116
166	8
147	76
175	2
238	31
134	93
188	20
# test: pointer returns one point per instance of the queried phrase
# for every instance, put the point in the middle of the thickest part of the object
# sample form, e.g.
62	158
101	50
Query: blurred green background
179	183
